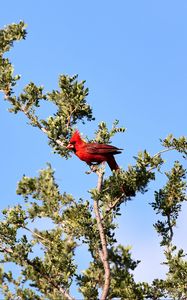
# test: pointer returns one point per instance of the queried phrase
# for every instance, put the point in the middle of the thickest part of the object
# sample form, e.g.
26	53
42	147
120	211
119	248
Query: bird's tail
112	164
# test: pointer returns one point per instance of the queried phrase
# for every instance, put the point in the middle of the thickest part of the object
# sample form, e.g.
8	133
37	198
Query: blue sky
132	55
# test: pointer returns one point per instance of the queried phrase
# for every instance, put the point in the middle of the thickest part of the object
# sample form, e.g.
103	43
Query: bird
93	152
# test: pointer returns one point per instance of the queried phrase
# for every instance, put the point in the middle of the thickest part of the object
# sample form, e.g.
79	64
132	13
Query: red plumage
93	152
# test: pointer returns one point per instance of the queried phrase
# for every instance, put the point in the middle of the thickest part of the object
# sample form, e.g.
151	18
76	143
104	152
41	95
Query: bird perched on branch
93	152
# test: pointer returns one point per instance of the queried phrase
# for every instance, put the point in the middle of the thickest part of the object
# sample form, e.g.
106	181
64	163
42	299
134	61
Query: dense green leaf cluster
179	144
8	36
103	135
11	33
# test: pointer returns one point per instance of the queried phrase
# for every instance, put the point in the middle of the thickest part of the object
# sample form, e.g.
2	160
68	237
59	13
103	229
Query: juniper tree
77	222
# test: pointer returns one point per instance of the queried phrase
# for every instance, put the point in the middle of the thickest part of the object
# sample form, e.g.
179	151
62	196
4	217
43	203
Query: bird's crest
76	136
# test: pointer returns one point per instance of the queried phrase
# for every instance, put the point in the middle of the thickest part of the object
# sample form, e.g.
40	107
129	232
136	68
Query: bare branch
163	151
65	293
104	252
70	116
158	154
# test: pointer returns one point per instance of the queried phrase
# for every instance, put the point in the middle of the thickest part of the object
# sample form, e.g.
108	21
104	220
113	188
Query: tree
77	222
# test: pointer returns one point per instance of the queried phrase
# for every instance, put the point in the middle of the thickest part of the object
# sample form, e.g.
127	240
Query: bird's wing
94	148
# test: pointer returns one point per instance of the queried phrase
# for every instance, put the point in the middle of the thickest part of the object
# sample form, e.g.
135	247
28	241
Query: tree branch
104	252
43	129
5	249
119	199
170	228
114	204
47	277
159	153
37	236
34	121
163	151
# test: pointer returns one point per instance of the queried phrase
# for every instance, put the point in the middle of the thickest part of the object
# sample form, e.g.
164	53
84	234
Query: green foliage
7	80
179	144
124	185
168	202
11	33
8	36
71	99
103	135
71	105
28	100
122	283
46	257
45	190
176	280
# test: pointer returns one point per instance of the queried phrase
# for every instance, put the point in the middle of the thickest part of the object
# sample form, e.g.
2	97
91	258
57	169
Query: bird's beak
70	146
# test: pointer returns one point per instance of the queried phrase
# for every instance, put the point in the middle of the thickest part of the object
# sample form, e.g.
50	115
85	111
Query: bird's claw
93	168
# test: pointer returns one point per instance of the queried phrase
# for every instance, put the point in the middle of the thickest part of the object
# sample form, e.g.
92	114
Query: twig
114	204
69	118
170	227
5	249
104	252
159	153
163	151
66	294
30	117
34	121
37	235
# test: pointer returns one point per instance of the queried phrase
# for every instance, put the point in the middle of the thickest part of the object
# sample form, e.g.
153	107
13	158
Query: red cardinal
93	152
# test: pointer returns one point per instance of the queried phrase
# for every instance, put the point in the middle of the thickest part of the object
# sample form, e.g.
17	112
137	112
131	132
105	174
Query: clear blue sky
133	55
